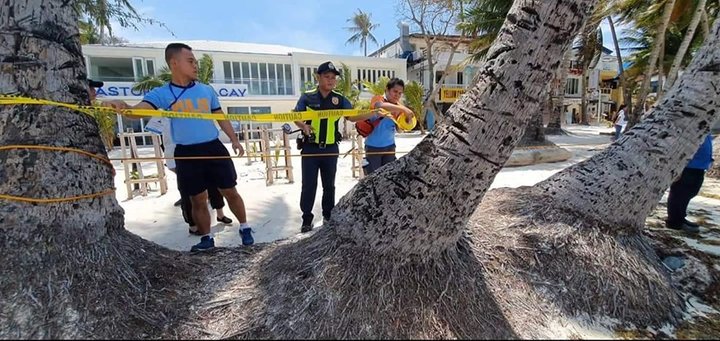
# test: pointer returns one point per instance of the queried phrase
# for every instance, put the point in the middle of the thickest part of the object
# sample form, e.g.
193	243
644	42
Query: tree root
121	286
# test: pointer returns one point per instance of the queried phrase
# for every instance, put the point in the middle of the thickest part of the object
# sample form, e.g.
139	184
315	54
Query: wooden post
266	155
126	164
357	155
160	164
288	159
141	175
248	152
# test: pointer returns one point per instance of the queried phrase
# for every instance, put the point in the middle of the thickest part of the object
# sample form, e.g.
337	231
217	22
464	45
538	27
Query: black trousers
216	201
375	161
681	191
313	162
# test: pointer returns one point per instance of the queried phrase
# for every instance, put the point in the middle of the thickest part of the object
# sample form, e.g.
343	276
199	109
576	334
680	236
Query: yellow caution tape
276	117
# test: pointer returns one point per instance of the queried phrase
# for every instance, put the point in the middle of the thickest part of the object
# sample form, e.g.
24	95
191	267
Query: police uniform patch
335	101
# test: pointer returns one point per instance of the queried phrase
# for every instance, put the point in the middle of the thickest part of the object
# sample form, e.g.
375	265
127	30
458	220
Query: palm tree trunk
557	95
430	102
621	69
638	168
637	111
583	97
705	23
682	50
534	134
67	265
437	170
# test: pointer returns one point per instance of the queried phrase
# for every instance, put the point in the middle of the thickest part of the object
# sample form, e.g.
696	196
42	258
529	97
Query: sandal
225	220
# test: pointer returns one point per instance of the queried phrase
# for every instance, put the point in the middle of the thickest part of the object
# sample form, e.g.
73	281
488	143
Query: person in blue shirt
321	137
381	140
687	187
197	137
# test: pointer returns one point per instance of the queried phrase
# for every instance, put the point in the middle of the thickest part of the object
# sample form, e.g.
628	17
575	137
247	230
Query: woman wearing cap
380	143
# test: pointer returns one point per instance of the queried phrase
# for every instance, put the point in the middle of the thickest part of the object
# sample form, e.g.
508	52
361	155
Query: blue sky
315	25
309	24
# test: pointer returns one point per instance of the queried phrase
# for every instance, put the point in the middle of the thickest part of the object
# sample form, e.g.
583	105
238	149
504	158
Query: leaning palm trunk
682	50
637	110
69	270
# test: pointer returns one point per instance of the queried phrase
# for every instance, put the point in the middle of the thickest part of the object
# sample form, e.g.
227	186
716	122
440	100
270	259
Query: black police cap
327	67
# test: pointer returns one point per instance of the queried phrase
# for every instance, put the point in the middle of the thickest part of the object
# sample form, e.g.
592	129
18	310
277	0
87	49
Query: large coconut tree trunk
577	237
682	50
433	179
639	167
637	110
68	267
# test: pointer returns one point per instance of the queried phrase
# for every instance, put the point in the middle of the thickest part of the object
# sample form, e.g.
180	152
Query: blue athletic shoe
247	238
206	244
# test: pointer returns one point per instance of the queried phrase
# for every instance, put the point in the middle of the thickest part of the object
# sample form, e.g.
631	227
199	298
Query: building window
438	75
307	78
572	87
113	69
261	78
460	79
288	80
143	67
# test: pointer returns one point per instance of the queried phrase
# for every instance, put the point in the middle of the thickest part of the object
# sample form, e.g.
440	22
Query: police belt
320	145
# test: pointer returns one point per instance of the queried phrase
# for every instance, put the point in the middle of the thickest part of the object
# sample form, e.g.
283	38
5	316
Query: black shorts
197	175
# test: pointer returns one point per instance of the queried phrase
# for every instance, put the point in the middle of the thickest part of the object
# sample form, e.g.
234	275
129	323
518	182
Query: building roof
227	46
444	38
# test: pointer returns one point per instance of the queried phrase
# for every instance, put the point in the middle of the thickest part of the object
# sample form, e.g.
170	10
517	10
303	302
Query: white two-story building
248	78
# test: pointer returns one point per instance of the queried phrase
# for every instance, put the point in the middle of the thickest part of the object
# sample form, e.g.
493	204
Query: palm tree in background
361	29
100	13
482	21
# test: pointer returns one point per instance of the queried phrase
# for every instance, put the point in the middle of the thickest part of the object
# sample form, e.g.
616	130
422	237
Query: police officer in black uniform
321	137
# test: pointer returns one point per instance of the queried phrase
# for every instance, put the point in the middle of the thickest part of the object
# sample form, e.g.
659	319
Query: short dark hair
174	48
395	81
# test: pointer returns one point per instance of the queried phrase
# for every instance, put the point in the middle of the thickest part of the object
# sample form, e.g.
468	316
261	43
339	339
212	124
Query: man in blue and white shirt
197	137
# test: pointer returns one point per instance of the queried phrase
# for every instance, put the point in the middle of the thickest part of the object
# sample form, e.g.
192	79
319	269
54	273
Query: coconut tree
361	29
682	50
667	10
622	77
377	88
347	87
414	93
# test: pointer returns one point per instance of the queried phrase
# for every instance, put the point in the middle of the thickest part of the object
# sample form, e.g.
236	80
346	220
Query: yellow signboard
450	95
